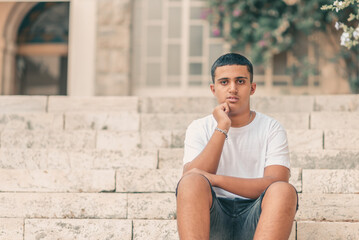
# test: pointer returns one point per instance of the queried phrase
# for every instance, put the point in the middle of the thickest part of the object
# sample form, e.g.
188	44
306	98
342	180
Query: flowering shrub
350	35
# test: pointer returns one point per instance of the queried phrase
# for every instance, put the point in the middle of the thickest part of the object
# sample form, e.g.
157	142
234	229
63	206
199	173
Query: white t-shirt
246	152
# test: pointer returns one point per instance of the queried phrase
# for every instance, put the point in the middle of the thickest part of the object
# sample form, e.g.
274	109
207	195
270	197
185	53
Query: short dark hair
232	59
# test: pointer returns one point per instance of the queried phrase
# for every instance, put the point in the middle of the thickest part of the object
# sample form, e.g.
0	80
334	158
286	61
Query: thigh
221	227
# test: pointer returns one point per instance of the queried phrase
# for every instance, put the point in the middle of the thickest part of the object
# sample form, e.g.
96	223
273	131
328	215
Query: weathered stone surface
92	104
31	121
170	158
156	139
293	233
77	159
147	180
196	105
178	137
291	120
308	230
334	120
71	180
328	207
109	140
325	159
11	228
344	139
296	178
330	181
113	37
155	230
167	121
23	158
63	205
305	139
152	206
283	103
91	229
102	159
121	121
337	103
48	139
11	104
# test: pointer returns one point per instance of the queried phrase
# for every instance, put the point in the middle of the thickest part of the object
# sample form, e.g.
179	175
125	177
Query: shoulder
268	122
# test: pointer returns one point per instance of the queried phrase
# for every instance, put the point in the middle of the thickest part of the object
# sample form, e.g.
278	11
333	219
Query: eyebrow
225	78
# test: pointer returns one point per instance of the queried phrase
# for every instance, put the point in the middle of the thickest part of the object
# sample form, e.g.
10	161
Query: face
232	85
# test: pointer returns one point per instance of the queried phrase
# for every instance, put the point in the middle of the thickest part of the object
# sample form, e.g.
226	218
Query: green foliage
269	27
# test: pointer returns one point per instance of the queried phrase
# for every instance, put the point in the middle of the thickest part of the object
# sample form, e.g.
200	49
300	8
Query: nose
232	87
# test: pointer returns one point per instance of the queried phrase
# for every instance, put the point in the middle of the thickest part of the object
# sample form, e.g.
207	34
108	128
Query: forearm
245	187
208	159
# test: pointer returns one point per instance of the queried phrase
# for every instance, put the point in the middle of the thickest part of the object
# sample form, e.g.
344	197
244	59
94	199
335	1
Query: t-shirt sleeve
277	147
195	141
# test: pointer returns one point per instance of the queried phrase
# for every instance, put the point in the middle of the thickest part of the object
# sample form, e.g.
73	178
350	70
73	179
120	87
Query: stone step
132	121
12	104
319	159
309	230
77	159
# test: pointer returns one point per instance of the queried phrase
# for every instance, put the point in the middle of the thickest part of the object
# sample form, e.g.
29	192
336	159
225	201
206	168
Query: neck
241	120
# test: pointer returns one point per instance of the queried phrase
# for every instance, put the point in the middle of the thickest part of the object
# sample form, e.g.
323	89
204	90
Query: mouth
232	99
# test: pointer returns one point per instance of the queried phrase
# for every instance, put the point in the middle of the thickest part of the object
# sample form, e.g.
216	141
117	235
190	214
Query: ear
212	88
253	88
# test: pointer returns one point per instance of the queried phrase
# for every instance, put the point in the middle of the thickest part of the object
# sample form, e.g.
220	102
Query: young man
236	166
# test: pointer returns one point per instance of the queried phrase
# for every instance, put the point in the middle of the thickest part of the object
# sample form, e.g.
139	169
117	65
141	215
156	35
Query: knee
283	193
192	185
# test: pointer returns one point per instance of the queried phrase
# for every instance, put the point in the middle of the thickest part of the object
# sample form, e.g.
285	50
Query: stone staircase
107	167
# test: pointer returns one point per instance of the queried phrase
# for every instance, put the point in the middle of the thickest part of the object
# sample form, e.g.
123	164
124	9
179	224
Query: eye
240	81
223	82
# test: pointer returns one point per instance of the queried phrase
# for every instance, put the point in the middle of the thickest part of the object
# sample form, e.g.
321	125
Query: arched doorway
42	50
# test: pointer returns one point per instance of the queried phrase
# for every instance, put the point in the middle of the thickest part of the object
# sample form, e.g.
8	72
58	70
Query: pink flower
262	43
237	13
205	13
216	32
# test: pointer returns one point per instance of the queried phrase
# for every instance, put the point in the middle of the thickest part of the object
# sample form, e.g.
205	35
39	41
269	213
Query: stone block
11	228
63	205
167	121
110	140
296	178
334	120
283	104
23	180
147	180
31	121
308	230
112	84
23	158
90	229
156	139
197	105
170	158
343	139
348	103
21	104
155	230
325	159
305	139
292	120
92	104
113	37
328	207
47	139
102	159
293	233
178	137
121	121
152	206
330	181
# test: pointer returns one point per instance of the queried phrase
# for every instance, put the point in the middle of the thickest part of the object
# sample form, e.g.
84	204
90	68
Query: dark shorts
234	218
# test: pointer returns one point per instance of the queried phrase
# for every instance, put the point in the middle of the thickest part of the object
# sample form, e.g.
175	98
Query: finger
226	107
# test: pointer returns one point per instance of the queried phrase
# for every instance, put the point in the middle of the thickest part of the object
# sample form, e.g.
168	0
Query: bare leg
278	211
194	200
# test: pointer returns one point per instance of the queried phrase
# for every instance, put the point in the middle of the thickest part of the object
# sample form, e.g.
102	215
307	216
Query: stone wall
113	47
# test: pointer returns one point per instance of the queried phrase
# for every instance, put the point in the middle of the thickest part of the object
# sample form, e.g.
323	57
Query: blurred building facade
138	47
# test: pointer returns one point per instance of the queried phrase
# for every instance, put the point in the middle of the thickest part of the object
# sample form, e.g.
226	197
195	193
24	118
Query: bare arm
245	187
208	159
